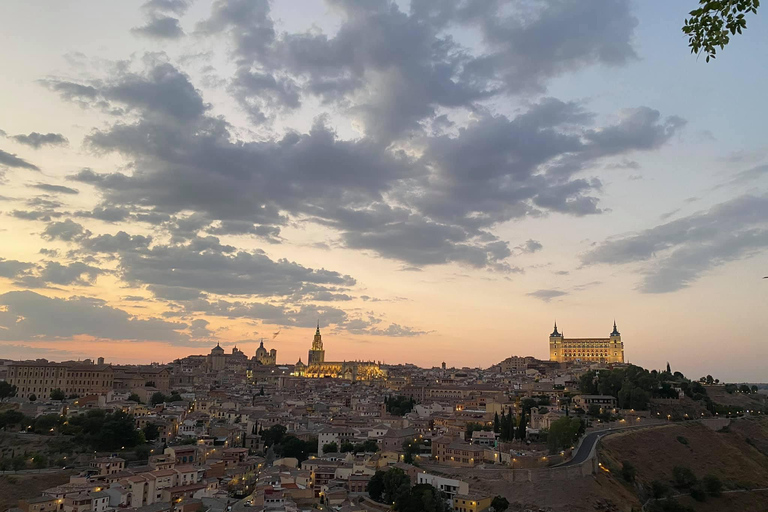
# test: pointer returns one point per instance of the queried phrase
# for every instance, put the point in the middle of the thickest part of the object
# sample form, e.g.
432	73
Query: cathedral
594	350
317	367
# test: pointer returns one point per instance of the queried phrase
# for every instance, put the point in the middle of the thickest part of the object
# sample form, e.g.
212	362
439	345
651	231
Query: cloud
74	273
547	295
160	27
393	69
462	184
13	268
678	253
67	231
754	173
530	246
54	188
38	140
11	160
28	316
178	7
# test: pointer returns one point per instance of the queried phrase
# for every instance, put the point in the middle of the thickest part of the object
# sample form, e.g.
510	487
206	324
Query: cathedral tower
316	353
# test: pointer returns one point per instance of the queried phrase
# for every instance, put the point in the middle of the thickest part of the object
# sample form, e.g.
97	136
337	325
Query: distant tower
101	361
443	365
316	353
555	345
616	346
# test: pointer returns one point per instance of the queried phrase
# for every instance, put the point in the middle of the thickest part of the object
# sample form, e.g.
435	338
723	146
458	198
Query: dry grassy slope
719	396
654	452
16	487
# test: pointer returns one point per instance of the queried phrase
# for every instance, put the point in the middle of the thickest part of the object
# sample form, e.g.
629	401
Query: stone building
597	350
318	367
41	377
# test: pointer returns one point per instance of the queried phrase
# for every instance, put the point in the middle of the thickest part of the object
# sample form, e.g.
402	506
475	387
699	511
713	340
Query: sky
431	180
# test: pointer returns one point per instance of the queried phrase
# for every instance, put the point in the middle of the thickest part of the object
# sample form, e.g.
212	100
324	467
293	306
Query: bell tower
615	346
316	353
556	345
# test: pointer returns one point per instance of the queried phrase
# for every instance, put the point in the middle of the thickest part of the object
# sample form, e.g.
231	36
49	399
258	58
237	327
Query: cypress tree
496	426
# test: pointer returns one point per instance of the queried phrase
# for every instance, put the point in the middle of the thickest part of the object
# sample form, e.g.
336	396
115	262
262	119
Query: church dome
217	350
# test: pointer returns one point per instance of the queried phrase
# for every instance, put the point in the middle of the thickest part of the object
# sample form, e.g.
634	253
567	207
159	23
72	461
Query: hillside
737	455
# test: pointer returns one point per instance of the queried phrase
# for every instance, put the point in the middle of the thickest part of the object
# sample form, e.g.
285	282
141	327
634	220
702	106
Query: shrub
684	477
682	440
698	494
659	489
628	471
712	485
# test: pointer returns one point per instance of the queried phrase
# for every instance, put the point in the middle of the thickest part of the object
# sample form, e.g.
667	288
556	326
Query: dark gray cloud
55	188
30	316
547	295
13	268
160	27
38	140
178	7
77	273
434	210
395	69
67	231
530	246
106	213
11	160
679	252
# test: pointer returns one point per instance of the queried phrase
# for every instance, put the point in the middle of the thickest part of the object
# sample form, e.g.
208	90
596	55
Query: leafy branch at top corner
714	22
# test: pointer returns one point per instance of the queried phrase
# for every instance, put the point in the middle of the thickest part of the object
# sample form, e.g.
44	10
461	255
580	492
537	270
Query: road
591	439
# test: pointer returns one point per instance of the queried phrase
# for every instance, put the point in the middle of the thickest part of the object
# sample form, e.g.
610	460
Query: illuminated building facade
597	350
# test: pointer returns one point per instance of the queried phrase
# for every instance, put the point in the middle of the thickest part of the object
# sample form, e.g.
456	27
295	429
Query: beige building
39	378
596	350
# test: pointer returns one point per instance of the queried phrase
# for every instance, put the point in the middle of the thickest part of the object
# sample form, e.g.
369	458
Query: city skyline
430	183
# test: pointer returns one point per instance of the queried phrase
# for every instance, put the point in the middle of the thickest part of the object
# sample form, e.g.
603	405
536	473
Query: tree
273	435
396	485
521	426
745	389
500	504
7	390
628	471
292	446
400	405
563	433
496	423
151	431
57	394
330	448
375	487
157	398
40	461
369	445
422	498
346	447
32	397
714	22
389	486
712	485
133	397
754	389
669	370
18	462
684	477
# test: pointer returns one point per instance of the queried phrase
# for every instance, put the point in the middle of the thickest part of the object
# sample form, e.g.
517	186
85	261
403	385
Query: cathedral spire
555	333
317	332
615	330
